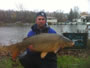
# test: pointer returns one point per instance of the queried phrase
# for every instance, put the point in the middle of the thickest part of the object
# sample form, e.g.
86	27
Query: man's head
41	19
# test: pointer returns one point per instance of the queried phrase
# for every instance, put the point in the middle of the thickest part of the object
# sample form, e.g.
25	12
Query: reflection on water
13	34
69	28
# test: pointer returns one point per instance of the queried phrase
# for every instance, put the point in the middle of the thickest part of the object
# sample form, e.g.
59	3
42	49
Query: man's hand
31	47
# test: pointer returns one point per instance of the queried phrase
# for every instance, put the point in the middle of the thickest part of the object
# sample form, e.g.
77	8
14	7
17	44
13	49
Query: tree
61	17
76	12
73	14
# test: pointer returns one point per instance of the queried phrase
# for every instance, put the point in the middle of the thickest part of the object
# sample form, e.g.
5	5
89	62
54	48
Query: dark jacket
35	30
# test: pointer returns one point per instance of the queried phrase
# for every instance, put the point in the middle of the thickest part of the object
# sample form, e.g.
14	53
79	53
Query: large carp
43	43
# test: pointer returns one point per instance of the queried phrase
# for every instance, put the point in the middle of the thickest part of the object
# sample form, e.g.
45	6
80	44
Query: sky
89	6
46	5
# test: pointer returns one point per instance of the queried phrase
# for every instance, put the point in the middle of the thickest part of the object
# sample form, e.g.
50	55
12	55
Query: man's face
40	21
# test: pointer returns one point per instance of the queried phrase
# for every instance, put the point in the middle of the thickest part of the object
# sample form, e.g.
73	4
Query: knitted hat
41	14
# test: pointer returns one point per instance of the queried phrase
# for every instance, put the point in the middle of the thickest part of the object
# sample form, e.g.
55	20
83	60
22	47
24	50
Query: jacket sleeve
30	33
51	31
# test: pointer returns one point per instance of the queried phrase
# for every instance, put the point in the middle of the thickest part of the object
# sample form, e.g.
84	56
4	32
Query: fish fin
43	54
15	54
56	51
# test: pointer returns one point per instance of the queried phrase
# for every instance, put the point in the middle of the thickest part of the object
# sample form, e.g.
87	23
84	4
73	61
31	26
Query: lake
14	34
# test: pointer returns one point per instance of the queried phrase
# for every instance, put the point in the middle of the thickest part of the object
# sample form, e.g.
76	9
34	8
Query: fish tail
15	54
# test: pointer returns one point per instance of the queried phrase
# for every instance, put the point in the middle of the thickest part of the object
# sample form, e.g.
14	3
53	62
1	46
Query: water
14	34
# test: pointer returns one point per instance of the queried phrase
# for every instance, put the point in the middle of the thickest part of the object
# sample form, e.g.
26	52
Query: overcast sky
47	5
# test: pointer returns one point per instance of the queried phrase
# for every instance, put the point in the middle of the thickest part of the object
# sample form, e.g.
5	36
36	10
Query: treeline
11	16
14	16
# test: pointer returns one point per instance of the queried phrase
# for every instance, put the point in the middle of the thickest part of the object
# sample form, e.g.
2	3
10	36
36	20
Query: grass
63	62
6	62
73	62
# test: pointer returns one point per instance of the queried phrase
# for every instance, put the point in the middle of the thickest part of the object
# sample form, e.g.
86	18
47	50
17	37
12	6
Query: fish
43	43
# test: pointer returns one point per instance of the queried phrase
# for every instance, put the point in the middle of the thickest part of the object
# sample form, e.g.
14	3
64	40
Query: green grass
63	62
6	62
73	62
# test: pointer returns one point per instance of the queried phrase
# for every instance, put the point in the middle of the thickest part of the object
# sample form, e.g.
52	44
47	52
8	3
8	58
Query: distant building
83	19
51	20
88	18
84	16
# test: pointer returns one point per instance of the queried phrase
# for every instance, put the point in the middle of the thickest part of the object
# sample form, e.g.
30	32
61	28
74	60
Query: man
33	59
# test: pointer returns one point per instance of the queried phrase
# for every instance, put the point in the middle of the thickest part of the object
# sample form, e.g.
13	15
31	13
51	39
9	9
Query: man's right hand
31	47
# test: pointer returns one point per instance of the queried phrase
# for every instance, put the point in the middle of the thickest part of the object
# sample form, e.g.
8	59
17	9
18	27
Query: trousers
35	61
